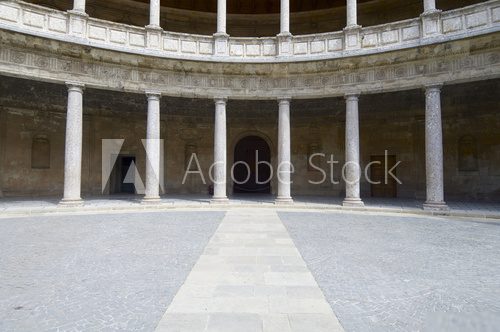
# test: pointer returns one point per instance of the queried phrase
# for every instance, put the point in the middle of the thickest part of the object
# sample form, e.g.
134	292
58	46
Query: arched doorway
256	178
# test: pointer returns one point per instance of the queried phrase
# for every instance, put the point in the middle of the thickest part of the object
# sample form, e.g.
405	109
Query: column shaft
154	14
429	6
434	149
220	151
79	6
221	17
73	147
3	123
352	13
153	148
285	17
352	167
284	154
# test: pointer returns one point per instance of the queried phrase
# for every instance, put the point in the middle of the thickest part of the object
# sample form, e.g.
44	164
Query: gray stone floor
113	272
120	272
25	206
395	273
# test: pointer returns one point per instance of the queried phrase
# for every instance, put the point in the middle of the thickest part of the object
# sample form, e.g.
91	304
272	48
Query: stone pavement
112	272
250	278
402	273
240	271
32	206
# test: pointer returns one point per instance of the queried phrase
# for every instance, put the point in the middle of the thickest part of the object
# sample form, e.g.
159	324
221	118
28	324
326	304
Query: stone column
154	14
153	148
434	149
221	37
352	14
431	19
221	17
352	167
78	19
79	6
3	120
429	6
73	149
284	169
220	152
285	18
352	31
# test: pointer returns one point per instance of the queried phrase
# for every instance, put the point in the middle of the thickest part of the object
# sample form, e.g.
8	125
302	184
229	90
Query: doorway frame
272	149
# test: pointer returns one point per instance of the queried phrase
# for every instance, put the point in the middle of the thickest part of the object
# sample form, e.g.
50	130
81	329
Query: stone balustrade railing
73	27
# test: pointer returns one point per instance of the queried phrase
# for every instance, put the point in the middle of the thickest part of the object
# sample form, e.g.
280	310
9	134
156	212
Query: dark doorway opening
252	170
123	175
387	185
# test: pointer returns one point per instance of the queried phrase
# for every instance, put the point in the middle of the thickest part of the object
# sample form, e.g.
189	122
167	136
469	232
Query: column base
352	27
151	200
154	27
431	12
68	202
353	202
283	201
219	200
436	206
78	13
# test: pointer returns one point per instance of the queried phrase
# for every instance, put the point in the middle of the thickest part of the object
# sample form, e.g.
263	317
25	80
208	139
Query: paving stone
233	322
397	273
257	298
112	272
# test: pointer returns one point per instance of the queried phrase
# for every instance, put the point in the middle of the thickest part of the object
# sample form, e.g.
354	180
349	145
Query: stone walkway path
40	206
251	277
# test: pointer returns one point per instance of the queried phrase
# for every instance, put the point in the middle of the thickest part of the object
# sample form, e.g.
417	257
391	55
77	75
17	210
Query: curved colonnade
435	49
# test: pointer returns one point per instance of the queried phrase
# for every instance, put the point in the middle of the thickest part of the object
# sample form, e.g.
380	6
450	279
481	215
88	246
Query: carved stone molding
457	61
75	27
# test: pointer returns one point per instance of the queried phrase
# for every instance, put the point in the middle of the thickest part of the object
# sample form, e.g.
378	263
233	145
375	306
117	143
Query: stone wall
31	111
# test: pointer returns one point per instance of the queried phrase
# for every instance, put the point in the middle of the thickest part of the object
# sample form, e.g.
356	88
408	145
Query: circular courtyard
248	270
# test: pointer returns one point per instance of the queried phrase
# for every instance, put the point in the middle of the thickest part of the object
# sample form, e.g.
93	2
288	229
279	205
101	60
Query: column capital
220	100
436	87
153	94
284	99
352	96
75	86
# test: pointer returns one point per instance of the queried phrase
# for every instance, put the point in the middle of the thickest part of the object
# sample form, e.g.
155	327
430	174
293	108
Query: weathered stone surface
390	121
